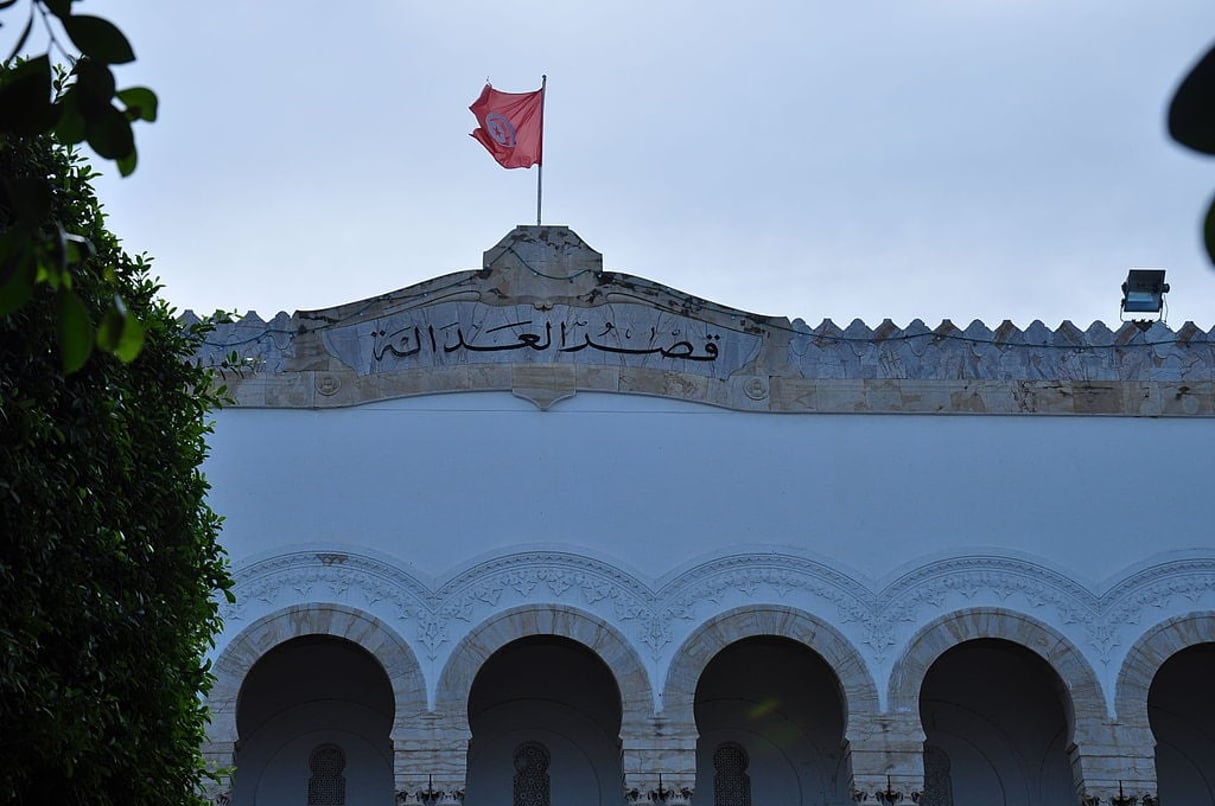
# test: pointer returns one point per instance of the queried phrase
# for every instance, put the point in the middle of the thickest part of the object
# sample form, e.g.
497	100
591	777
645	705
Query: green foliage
82	104
109	561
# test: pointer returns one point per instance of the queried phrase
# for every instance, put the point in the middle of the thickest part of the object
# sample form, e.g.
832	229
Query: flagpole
540	165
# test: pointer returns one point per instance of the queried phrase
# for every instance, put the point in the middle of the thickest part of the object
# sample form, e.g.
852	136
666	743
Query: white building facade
542	534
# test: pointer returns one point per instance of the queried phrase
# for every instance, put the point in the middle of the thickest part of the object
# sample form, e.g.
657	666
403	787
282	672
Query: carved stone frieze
303	576
960	582
542	300
1138	600
434	616
260	346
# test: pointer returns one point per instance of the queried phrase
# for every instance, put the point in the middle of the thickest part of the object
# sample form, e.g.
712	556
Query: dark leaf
94	88
126	165
1192	111
29	197
16	291
12	242
109	134
25	98
68	250
59	254
131	341
109	330
75	331
77	247
141	103
60	8
120	333
98	39
16	271
70	128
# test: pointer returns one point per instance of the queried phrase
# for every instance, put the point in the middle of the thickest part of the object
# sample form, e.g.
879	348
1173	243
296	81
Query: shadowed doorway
314	716
545	717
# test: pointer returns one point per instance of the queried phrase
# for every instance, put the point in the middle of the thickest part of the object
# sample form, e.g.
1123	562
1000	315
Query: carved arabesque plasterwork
1148	597
434	616
548	576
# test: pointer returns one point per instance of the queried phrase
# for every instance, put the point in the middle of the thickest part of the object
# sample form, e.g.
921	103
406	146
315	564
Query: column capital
1115	762
663	792
431	794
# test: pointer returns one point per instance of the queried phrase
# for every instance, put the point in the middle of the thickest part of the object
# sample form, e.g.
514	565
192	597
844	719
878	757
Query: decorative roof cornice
544	320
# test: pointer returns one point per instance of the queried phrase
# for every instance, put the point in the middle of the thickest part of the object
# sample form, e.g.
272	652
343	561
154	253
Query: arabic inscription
453	333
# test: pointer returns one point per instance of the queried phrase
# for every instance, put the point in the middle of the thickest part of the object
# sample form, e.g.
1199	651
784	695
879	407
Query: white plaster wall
439	480
651	517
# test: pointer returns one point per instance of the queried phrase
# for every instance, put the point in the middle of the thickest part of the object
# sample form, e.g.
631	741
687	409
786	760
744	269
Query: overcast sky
961	159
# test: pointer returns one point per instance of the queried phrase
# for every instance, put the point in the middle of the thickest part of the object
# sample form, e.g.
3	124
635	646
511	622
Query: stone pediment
542	319
541	299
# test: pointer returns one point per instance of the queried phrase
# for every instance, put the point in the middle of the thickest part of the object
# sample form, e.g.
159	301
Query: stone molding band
543	320
657	618
545	385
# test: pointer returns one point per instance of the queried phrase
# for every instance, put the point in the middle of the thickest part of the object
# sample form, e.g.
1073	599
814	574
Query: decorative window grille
531	775
731	784
938	783
327	785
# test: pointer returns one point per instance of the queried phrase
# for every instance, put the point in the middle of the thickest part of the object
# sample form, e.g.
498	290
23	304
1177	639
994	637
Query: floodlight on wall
1143	293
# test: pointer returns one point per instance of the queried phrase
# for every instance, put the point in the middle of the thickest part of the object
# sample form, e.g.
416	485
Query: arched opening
770	716
1181	710
313	719
545	718
996	719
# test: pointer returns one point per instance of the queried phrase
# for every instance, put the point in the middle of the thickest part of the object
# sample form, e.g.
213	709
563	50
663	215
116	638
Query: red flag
511	126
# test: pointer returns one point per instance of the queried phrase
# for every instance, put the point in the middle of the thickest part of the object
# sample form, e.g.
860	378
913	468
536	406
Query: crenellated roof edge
544	320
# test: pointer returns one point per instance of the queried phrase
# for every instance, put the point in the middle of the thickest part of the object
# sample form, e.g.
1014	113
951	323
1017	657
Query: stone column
667	750
886	756
1115	761
430	756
